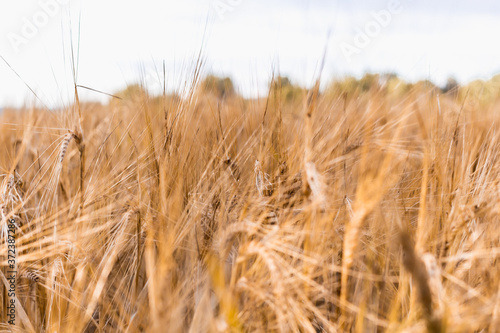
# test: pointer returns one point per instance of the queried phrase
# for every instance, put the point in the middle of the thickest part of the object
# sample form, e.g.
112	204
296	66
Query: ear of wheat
262	183
426	281
31	275
64	146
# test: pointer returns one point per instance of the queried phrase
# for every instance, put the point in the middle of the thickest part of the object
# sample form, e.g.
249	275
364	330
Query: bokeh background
123	42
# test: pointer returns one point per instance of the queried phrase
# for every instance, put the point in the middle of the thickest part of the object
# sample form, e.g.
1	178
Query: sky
116	43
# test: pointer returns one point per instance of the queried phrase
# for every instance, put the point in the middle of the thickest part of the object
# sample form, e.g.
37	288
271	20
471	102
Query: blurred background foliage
283	91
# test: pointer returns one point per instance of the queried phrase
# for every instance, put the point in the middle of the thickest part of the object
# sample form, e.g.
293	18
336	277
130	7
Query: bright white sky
122	42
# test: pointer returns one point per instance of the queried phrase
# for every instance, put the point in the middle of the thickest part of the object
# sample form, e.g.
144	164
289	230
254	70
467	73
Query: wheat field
340	210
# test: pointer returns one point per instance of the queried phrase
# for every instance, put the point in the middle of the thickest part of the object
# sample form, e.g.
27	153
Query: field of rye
347	209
